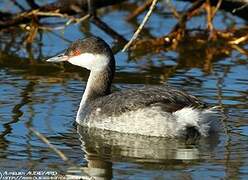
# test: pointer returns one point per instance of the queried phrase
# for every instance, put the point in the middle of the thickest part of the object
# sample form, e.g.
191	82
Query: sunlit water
48	102
49	105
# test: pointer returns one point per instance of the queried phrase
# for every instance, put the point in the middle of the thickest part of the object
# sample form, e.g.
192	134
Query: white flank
153	121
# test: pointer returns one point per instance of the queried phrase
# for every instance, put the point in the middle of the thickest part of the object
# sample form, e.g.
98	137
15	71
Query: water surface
47	100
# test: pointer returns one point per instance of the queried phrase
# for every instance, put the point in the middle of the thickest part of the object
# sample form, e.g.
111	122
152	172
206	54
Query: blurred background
198	46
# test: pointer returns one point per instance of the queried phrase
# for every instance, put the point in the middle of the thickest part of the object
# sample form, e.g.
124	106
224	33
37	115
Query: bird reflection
104	148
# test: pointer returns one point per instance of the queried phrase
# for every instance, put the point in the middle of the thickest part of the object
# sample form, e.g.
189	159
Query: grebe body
161	111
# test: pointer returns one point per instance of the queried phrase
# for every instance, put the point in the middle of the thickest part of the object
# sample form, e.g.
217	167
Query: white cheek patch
90	61
83	60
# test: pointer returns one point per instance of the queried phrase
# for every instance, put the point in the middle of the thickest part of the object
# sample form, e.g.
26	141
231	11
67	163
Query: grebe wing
168	98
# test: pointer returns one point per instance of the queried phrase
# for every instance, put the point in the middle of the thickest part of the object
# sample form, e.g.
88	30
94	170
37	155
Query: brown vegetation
79	11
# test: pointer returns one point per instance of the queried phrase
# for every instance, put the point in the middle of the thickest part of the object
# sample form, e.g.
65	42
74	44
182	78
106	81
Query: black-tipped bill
58	58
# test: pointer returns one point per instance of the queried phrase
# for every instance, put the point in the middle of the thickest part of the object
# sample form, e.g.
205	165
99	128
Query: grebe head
94	54
91	53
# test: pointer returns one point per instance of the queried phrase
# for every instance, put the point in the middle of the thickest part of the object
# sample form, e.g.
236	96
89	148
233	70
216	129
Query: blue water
48	101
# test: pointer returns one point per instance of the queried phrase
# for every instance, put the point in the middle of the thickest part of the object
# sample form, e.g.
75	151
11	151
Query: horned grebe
153	111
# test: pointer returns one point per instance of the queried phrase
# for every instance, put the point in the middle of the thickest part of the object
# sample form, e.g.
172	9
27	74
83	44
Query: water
48	103
47	100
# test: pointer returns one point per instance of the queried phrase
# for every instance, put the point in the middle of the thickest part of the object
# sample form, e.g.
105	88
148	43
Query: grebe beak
58	58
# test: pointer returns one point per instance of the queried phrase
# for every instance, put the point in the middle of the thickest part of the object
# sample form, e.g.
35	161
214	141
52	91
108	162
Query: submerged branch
47	142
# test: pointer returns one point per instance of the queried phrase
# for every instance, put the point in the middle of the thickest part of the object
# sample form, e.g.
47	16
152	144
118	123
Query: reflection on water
101	148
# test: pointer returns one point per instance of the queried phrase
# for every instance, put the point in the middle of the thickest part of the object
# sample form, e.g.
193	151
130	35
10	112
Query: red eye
76	52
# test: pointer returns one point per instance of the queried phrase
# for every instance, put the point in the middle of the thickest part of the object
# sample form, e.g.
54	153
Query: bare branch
135	35
102	25
18	5
32	4
139	10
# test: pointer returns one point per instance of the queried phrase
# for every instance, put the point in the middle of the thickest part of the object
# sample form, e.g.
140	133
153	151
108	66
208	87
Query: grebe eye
76	52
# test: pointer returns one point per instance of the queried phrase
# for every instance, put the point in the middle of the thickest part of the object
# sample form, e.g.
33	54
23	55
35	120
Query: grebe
153	111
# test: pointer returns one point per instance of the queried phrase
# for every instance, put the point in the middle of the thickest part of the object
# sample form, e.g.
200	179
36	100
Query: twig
46	141
139	10
18	5
211	12
173	9
71	19
60	27
178	30
77	20
209	18
239	49
32	4
240	8
239	40
135	35
91	8
217	7
36	12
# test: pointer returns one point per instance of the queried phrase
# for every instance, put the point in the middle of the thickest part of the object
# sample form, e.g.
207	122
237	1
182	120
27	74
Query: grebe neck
98	85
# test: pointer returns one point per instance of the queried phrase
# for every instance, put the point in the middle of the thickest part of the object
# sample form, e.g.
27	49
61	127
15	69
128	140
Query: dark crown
93	44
